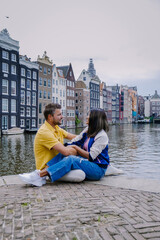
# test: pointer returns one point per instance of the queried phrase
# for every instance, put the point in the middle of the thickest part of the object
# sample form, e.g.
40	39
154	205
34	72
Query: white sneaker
33	178
113	171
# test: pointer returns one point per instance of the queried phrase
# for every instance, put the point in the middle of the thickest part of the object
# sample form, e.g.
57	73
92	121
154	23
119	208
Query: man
48	143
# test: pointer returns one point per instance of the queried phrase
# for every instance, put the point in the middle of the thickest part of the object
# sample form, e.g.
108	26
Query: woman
92	150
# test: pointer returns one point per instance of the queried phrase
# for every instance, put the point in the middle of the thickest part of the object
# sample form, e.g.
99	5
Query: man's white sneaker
113	171
33	178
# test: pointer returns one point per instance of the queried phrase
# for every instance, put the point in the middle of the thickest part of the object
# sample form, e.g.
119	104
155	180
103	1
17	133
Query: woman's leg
92	170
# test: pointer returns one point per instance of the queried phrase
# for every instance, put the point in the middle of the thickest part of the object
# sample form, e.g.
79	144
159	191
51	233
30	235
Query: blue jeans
61	165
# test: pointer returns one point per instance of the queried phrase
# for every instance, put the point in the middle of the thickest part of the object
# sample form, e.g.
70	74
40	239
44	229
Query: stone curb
124	182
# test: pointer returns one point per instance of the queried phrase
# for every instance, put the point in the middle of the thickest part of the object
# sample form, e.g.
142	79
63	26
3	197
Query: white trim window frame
13	105
13	70
23	72
4	86
4	105
13	121
13	57
5	67
5	54
13	88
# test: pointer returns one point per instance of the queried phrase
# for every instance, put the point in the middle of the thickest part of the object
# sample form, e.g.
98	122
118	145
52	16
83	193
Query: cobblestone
64	211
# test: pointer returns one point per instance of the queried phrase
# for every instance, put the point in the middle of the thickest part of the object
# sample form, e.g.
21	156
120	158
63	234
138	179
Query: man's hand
72	150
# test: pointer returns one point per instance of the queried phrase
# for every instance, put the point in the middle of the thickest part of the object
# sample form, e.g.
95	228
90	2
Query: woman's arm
81	152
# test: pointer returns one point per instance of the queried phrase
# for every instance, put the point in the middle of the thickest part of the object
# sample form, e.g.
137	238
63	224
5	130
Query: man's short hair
50	109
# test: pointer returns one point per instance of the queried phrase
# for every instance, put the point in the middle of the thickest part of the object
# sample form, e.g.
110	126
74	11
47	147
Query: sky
121	36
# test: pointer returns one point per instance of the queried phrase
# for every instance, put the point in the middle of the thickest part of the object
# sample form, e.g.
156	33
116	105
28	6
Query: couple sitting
85	157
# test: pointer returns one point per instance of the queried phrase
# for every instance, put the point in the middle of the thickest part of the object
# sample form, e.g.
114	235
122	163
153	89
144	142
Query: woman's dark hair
97	122
50	109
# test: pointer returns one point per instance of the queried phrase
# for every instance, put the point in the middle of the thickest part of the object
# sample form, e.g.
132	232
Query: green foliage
77	121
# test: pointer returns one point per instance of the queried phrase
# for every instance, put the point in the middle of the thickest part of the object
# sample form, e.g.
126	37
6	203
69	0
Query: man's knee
76	175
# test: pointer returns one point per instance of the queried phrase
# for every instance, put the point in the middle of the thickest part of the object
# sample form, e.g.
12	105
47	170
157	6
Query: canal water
133	148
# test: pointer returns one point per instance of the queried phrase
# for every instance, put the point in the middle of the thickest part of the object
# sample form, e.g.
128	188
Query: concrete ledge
1	182
149	185
141	184
12	179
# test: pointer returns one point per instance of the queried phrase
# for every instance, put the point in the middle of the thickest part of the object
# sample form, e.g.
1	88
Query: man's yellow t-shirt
46	138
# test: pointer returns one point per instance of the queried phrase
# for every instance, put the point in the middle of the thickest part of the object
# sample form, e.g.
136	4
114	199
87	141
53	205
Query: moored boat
13	131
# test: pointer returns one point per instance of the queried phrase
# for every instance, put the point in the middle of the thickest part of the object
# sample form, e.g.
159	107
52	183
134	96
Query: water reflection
133	148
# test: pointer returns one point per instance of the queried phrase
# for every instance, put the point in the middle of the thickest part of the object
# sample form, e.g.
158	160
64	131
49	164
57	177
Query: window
4	105
22	112
57	90
4	86
40	68
5	54
28	98
40	107
53	90
49	83
40	81
28	112
13	57
13	88
56	99
40	121
84	78
34	86
49	70
22	83
22	97
45	70
34	75
45	82
33	123
40	93
70	74
23	72
63	103
5	68
56	82
22	122
54	74
60	92
63	93
28	84
13	121
13	105
33	112
33	98
45	95
13	69
49	95
28	73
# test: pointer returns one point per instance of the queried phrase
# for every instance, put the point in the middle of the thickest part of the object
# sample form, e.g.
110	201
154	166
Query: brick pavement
64	211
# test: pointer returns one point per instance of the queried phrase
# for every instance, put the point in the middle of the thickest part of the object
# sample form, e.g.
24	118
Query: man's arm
70	136
66	151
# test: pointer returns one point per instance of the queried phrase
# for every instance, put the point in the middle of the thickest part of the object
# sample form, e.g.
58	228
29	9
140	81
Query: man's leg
92	170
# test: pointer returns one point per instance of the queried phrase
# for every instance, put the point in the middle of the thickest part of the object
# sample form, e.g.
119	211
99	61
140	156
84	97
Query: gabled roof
155	96
64	69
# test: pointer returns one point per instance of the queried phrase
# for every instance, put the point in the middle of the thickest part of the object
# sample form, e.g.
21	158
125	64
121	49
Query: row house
82	102
9	81
59	91
28	93
92	83
106	100
127	105
115	103
155	105
68	74
141	102
45	85
134	95
147	106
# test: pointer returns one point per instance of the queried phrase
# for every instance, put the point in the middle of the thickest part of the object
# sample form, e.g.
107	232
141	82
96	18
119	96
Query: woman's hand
81	152
72	150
